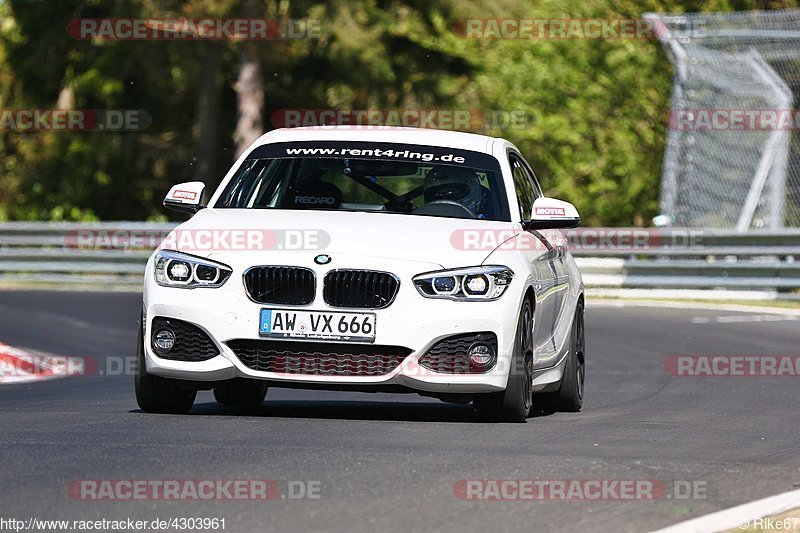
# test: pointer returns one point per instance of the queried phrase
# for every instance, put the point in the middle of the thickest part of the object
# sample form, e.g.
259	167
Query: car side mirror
549	213
185	197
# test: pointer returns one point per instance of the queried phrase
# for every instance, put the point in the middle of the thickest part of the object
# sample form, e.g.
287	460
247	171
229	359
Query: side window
523	186
536	187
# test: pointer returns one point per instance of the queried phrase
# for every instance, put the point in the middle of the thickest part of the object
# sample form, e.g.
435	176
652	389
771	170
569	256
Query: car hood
435	241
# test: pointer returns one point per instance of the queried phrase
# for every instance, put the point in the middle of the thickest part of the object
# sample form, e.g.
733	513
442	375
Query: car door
560	300
541	255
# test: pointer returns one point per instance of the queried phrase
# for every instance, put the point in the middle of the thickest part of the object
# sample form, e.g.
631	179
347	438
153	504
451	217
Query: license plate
326	325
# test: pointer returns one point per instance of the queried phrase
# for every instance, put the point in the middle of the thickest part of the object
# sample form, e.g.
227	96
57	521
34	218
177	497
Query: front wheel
155	394
514	403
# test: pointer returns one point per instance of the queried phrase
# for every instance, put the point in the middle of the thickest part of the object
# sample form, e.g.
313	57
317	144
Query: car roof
386	134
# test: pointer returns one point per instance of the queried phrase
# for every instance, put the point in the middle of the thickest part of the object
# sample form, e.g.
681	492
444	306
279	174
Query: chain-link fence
733	146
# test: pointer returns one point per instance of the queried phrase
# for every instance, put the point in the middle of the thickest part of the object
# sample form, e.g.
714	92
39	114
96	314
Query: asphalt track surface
390	462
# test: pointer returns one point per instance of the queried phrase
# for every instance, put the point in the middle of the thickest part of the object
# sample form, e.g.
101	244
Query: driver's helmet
456	184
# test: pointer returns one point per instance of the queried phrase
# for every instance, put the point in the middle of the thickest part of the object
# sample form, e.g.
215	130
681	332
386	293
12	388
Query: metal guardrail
33	253
51	253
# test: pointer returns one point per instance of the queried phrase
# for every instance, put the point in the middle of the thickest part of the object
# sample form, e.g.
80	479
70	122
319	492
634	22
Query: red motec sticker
551	211
185	195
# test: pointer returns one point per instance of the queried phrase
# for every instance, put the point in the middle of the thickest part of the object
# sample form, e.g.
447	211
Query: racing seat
314	195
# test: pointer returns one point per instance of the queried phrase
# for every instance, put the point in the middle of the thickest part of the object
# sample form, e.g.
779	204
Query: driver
460	185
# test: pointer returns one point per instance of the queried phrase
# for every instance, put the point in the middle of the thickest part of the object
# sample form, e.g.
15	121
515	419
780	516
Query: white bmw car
367	259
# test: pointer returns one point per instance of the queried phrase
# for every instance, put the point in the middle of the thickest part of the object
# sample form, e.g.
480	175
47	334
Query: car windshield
381	178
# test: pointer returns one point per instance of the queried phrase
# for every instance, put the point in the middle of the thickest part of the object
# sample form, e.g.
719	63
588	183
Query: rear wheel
514	403
155	394
243	393
569	396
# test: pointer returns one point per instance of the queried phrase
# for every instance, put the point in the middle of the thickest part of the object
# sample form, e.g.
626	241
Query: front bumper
411	321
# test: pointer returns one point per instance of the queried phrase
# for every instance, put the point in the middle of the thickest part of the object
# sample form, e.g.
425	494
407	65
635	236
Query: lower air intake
318	359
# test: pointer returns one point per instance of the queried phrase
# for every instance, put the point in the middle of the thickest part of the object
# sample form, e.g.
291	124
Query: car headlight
471	283
176	269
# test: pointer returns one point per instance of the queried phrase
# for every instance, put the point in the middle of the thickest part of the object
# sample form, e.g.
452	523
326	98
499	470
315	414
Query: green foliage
595	136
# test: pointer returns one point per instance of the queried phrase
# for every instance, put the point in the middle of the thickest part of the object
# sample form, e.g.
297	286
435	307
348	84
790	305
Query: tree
596	108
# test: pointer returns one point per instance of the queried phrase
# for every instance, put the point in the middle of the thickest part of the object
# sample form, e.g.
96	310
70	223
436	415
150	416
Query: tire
241	393
569	397
155	394
514	403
